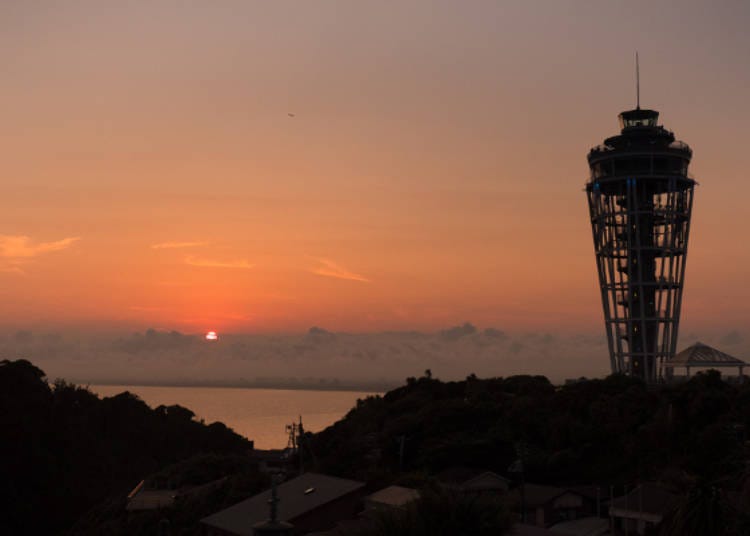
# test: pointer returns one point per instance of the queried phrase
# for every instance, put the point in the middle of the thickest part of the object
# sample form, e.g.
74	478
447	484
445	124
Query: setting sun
212	336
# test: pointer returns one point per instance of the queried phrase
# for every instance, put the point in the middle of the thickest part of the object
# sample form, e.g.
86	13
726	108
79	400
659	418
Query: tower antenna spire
637	83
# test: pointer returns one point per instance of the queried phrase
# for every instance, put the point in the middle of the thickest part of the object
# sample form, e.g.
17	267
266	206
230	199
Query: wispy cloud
17	250
9	268
146	309
329	268
211	263
178	245
21	247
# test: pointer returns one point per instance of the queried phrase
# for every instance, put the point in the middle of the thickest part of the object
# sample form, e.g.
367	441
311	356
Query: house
310	502
544	506
387	499
398	497
642	508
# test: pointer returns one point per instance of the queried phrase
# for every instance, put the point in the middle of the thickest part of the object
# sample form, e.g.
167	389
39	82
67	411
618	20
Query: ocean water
258	414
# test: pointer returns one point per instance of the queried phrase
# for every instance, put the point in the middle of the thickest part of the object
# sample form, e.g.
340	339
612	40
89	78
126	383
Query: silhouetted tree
63	449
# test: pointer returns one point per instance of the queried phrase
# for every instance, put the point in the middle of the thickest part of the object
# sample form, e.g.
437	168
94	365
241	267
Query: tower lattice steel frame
640	201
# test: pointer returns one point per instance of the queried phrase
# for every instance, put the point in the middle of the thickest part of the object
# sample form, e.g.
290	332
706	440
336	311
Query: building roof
296	497
520	529
487	481
538	495
393	496
647	498
457	474
587	526
472	479
702	355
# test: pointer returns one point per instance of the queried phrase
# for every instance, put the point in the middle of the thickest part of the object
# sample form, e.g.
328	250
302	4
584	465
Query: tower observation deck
640	200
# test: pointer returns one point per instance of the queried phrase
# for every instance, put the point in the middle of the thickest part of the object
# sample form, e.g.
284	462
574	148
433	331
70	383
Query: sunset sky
262	167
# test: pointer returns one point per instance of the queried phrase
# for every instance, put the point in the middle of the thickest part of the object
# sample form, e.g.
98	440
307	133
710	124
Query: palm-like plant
444	512
703	511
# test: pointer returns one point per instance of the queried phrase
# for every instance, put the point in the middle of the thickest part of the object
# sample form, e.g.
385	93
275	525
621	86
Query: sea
260	415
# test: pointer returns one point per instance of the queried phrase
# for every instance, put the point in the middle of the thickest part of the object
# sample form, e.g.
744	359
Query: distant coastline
359	387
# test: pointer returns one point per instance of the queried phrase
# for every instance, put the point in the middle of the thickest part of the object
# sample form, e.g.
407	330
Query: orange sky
432	172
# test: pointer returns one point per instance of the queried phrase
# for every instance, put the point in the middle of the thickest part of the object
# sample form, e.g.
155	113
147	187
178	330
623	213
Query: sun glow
212	336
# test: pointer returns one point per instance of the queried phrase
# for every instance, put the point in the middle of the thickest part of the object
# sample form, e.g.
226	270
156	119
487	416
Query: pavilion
702	356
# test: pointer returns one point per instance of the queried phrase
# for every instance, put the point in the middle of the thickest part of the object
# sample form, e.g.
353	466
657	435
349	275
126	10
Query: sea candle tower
640	198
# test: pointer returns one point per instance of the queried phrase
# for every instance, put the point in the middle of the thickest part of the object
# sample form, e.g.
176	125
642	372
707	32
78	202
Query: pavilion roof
702	355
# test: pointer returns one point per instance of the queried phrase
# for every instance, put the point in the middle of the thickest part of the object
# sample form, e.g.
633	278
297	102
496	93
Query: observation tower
640	200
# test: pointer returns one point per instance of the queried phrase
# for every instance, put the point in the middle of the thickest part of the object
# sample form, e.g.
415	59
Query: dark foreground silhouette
66	452
63	449
221	480
691	438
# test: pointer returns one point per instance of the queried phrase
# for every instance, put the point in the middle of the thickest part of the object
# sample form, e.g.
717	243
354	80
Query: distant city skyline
253	167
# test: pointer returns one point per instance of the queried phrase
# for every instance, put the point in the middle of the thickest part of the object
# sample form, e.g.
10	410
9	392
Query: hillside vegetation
613	431
63	449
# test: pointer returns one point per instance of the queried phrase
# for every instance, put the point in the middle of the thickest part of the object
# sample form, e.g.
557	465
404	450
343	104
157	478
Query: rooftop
472	479
487	481
393	496
296	497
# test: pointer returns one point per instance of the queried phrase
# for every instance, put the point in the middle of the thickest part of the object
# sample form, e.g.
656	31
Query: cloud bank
321	355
